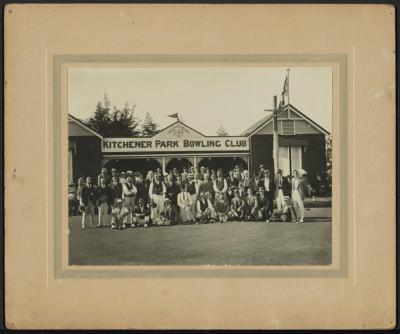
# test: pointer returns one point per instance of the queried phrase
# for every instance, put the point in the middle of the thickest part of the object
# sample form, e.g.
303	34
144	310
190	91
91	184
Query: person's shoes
83	226
145	225
132	226
113	227
97	226
123	226
301	221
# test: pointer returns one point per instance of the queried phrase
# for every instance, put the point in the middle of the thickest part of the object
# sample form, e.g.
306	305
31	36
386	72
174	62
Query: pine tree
222	132
149	127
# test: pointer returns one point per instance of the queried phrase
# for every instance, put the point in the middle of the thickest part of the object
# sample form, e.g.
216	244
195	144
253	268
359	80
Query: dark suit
88	195
269	192
172	192
263	206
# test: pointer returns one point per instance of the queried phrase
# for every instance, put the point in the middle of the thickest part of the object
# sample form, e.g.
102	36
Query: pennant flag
286	87
174	116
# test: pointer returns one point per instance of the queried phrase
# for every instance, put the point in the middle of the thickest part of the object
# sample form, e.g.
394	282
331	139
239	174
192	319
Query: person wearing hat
103	174
172	190
280	201
193	189
115	189
262	205
205	211
141	188
221	208
269	187
88	202
119	215
261	171
245	181
141	214
129	192
201	173
207	185
185	204
169	216
157	192
114	173
236	211
250	206
104	200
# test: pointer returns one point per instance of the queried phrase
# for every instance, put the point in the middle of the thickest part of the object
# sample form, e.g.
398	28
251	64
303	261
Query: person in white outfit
157	192
298	196
185	204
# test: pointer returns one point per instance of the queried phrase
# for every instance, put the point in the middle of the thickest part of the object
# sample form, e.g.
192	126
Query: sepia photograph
200	166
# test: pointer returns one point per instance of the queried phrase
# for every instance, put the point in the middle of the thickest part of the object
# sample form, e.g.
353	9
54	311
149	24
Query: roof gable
83	129
283	114
178	130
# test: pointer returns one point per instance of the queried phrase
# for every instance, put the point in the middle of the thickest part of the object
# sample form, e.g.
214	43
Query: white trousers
298	204
159	201
280	200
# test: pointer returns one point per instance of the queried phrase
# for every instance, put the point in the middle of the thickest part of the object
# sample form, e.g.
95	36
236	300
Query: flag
285	91
174	115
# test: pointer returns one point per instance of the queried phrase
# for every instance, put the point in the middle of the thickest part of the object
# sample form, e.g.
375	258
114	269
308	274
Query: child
119	215
221	208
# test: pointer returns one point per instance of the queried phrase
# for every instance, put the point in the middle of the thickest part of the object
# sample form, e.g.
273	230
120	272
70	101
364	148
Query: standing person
122	177
115	190
185	204
245	182
280	199
201	173
221	208
172	190
261	171
237	173
81	183
119	215
220	185
268	184
298	196
88	202
193	189
232	181
141	188
254	183
129	192
103	174
207	185
157	196
114	173
103	196
141	214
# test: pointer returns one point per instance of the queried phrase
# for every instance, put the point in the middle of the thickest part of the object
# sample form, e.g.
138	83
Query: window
287	127
289	158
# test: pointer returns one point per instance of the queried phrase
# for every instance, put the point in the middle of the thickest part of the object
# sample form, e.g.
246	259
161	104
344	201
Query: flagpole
275	142
288	98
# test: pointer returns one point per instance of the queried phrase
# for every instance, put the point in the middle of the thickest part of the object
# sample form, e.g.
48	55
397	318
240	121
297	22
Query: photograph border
187	270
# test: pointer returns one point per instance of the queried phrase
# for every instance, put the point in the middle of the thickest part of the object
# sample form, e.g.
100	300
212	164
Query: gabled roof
83	125
266	120
178	122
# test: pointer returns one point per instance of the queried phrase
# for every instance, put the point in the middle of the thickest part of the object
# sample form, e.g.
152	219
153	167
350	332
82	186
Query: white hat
119	201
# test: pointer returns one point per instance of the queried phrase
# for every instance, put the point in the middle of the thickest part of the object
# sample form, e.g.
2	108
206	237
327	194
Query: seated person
119	215
169	215
262	205
250	208
287	213
221	208
141	214
185	204
205	211
236	211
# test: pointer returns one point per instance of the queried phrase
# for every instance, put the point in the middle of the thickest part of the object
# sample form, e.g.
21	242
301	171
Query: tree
113	122
149	127
222	132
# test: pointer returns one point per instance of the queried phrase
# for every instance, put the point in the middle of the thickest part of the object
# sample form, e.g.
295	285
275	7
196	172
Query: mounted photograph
200	165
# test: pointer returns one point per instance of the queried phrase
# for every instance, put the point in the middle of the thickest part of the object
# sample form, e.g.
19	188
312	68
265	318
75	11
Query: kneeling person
205	211
221	208
141	214
119	215
170	215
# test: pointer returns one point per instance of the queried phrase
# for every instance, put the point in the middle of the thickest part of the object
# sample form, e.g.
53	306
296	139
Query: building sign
144	145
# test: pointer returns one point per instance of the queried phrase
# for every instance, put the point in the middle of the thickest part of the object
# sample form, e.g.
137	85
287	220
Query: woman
298	196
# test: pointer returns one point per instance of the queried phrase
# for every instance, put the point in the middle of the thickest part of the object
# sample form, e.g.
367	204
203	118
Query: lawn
233	243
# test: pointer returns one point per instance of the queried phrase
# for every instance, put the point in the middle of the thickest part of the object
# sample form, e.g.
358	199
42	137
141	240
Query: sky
204	97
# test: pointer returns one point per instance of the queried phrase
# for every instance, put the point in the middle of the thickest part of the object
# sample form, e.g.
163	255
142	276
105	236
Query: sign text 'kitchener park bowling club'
149	144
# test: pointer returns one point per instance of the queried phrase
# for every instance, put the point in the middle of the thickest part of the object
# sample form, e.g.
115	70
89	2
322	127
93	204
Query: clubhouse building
302	144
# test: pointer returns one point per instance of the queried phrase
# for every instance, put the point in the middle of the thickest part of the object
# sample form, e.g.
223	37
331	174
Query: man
262	206
114	173
254	183
220	185
157	192
250	208
185	204
280	201
129	192
242	192
141	214
103	174
232	181
81	183
115	190
261	172
268	184
236	211
141	188
122	177
201	173
169	216
172	190
237	173
205	211
88	202
103	196
119	215
245	182
207	185
193	190
221	208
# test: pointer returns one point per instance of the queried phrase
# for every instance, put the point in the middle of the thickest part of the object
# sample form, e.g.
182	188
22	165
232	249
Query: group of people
194	195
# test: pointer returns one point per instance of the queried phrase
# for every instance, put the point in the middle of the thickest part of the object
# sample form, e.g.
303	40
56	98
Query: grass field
233	243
